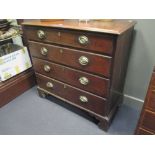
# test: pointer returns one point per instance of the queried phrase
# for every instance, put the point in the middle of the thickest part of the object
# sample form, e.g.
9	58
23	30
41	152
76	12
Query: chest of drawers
146	125
83	64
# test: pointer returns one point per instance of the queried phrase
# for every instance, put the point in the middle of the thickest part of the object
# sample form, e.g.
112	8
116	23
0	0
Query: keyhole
61	51
59	34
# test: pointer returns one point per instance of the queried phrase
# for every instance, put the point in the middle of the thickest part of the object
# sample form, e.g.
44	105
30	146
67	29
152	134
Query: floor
29	114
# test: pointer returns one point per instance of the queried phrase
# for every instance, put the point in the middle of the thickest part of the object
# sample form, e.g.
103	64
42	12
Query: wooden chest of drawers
82	63
146	125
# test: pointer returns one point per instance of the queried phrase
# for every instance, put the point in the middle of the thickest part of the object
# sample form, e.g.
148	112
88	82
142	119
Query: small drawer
100	43
151	99
93	63
73	95
85	81
148	121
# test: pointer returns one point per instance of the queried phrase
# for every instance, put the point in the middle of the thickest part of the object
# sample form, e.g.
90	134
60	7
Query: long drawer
84	40
82	80
93	63
76	96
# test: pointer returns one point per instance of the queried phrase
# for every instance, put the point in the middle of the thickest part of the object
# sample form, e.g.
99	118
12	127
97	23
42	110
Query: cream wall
142	59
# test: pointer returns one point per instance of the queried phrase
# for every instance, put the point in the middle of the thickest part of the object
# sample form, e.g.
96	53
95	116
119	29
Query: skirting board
130	99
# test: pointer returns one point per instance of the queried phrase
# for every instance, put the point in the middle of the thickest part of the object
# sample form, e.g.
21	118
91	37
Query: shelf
18	84
10	38
18	30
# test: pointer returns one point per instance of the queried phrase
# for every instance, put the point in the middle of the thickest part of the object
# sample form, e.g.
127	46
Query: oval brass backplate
44	51
47	68
83	99
83	60
83	80
83	40
49	85
41	34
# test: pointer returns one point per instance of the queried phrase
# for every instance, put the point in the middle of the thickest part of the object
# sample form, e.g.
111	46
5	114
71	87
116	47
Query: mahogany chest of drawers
146	124
83	64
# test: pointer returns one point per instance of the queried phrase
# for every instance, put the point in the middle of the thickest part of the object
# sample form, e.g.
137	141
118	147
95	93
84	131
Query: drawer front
91	41
77	97
151	100
148	121
88	82
93	63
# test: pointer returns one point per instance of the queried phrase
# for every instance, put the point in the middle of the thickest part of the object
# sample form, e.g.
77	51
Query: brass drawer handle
83	80
44	51
83	60
47	68
41	34
153	90
49	85
83	99
83	40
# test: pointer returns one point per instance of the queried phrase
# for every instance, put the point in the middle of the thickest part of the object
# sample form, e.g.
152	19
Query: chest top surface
112	27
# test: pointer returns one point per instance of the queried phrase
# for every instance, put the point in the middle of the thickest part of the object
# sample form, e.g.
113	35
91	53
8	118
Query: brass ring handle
83	60
49	85
83	40
41	34
47	68
83	80
44	51
83	99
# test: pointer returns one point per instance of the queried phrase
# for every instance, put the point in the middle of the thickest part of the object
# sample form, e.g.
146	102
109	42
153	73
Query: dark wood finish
151	100
115	27
153	81
120	63
72	94
20	21
148	120
147	117
98	64
96	85
15	86
97	43
107	50
142	131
